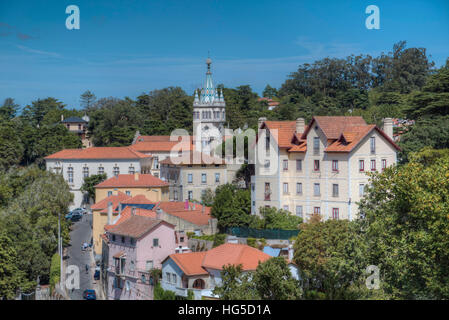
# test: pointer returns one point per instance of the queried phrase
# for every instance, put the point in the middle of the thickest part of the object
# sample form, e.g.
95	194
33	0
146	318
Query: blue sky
125	48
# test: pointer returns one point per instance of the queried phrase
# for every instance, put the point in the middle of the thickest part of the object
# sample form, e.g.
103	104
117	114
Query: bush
55	270
161	294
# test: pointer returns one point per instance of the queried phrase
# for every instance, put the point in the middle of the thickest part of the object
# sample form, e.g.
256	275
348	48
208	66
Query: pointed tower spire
197	100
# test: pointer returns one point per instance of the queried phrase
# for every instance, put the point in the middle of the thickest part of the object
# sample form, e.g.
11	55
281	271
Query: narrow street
82	232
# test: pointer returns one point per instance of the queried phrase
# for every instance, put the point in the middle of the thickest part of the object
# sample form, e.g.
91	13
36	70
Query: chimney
109	212
300	125
261	120
136	176
388	127
133	211
158	213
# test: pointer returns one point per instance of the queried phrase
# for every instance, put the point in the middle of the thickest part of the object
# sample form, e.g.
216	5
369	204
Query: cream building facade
320	168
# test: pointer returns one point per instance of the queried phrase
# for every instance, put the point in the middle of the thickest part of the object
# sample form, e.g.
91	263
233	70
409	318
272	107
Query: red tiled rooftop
235	254
98	153
195	263
127	213
190	263
177	208
132	181
115	199
161	143
136	226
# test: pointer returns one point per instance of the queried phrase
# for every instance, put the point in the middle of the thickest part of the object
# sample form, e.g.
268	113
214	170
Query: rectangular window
316	210
109	193
285	188
131	170
175	195
190	195
100	170
373	144
335	165
149	265
128	193
335	190
267	191
361	165
361	189
189	178
156	162
203	178
217	177
285	165
298	165
116	171
174	277
155	242
316	189
286	207
384	164
85	172
168	275
70	174
373	165
299	188
299	211
335	213
316	145
316	165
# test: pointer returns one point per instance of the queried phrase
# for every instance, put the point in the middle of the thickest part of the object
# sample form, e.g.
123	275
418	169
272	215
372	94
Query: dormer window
316	145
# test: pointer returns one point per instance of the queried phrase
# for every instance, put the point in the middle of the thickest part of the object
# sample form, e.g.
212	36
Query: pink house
135	246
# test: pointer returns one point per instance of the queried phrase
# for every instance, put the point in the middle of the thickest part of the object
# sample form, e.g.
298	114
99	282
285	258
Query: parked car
97	274
76	216
89	295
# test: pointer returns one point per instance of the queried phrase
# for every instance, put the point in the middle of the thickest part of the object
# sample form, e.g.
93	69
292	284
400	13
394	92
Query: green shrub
55	270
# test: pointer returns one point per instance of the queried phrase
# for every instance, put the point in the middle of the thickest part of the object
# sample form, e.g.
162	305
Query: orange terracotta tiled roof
127	213
132	180
286	135
333	127
190	263
194	157
177	208
353	135
115	199
139	199
149	144
136	226
99	153
235	254
195	263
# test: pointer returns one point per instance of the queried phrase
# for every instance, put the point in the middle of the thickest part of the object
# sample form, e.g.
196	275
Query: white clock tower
209	115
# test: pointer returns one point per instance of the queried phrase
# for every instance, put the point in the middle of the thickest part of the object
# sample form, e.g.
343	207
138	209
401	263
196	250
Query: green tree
232	206
269	92
330	257
9	109
406	226
273	281
236	285
87	99
207	197
11	277
11	147
273	218
90	183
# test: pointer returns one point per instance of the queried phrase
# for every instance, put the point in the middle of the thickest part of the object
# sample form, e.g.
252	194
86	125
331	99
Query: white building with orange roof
200	272
77	164
320	168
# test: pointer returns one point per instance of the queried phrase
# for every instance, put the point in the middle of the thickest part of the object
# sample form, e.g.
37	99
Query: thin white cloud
47	53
